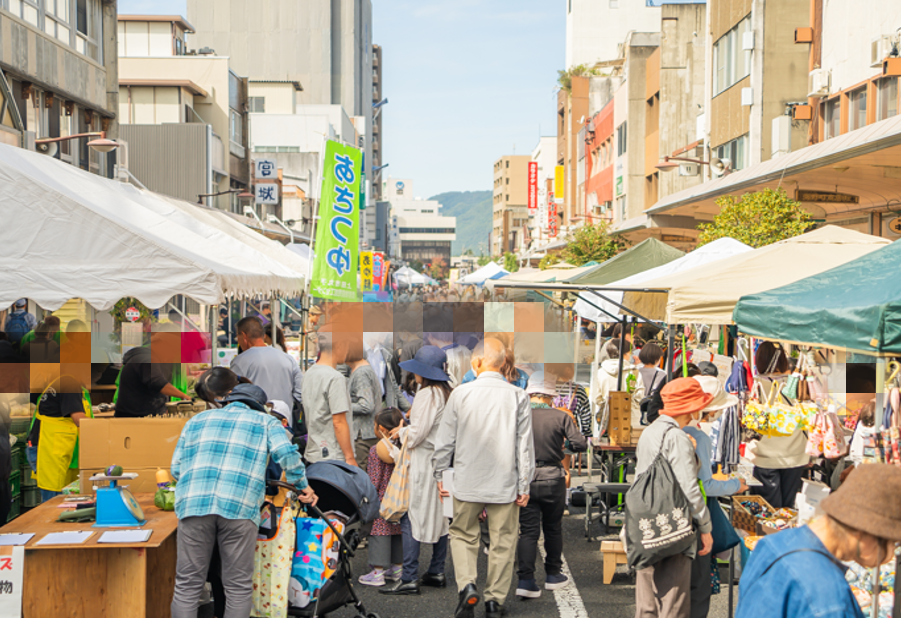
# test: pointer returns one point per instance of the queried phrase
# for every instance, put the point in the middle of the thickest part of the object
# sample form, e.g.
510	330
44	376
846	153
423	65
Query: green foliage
592	243
119	309
565	78
511	265
483	259
548	261
438	268
756	219
415	265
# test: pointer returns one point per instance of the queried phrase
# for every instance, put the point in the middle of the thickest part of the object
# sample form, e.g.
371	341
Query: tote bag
724	535
396	501
658	516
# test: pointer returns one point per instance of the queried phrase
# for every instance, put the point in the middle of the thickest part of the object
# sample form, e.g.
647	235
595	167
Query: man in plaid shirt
220	465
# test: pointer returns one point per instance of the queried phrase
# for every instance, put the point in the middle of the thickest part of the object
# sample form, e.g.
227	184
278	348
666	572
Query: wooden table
97	580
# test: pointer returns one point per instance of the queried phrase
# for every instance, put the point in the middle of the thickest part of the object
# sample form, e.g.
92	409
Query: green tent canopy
854	307
647	254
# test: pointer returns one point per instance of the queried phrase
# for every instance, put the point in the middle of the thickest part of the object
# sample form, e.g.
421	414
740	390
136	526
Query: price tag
12	572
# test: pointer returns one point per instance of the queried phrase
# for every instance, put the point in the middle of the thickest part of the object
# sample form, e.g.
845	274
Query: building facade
510	203
595	30
60	62
572	112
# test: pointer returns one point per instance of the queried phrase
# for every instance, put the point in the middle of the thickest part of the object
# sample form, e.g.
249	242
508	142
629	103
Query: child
386	550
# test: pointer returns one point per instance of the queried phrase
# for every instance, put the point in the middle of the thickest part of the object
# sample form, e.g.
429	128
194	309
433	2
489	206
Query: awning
855	306
708	294
865	163
78	235
646	254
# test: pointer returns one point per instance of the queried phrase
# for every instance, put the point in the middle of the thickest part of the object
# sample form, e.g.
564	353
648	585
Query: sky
467	81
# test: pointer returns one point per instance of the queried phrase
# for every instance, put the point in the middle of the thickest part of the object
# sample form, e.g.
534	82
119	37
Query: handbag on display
658	515
835	444
756	414
396	501
790	390
815	435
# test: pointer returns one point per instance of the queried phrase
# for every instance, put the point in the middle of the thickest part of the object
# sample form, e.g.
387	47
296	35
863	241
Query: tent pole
275	311
670	350
592	396
622	348
214	329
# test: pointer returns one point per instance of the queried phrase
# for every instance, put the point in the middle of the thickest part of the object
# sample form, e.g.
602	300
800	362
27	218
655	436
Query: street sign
266	169
266	193
132	314
533	187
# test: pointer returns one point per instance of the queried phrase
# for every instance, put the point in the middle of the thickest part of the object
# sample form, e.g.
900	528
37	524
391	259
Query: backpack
658	516
16	327
652	401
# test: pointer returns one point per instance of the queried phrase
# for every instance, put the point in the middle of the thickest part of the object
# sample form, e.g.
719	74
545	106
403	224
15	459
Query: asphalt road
584	560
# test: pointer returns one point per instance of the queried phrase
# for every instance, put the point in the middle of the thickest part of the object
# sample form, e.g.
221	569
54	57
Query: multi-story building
510	203
415	228
545	156
377	125
595	30
60	65
326	47
182	114
572	112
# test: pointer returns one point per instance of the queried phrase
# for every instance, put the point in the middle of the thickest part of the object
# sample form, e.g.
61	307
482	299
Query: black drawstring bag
658	516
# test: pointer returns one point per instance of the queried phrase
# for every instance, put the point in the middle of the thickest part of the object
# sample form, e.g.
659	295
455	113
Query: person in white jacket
606	381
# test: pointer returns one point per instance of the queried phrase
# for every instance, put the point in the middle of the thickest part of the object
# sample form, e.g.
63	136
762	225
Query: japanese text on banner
366	271
338	232
12	570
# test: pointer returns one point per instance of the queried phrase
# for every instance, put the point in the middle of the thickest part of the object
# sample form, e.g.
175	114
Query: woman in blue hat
424	521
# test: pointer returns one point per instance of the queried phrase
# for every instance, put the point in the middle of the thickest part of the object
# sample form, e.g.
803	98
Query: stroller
348	490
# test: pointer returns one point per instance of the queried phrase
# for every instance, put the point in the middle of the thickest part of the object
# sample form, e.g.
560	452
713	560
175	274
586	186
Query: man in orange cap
663	589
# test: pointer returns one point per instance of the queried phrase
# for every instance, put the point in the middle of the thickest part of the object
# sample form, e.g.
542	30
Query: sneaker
376	577
394	573
528	589
555	580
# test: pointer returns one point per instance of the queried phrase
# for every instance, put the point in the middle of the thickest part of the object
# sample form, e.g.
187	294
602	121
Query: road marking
569	601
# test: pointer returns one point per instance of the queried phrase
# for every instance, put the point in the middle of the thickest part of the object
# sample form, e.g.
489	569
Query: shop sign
378	270
132	314
266	193
533	187
803	195
266	169
12	575
559	182
895	225
366	273
551	216
619	186
337	245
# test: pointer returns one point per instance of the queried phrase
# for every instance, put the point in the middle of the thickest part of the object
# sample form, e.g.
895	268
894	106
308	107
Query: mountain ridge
473	211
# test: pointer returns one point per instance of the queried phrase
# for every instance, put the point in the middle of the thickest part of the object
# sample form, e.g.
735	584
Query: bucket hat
429	363
683	396
869	500
541	383
280	408
721	399
249	394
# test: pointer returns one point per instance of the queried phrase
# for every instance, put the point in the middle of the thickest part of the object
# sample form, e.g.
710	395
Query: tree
483	259
415	265
756	219
510	263
592	243
548	261
437	268
565	78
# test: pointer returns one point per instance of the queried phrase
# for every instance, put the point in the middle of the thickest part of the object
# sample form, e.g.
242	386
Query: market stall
646	254
488	271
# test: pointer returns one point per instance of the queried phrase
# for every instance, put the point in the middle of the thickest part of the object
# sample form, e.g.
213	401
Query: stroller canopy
345	488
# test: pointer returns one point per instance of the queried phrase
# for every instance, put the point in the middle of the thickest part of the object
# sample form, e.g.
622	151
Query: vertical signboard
338	233
378	271
559	184
551	216
533	187
366	271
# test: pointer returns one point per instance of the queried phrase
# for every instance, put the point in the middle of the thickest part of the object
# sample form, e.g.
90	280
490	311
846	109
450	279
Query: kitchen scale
116	506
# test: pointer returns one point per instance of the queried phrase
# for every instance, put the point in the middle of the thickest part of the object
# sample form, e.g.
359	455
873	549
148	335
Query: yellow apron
58	448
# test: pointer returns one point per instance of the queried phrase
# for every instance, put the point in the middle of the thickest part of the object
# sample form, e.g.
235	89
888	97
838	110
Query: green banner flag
337	246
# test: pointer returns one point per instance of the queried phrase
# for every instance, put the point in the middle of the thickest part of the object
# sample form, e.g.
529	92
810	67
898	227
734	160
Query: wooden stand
614	554
620	425
98	580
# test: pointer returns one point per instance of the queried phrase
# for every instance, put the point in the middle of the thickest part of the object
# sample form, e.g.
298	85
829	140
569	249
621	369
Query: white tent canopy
717	250
407	276
478	277
83	236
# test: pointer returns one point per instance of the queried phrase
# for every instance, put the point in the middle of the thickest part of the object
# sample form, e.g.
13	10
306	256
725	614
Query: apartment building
58	76
183	114
572	112
510	203
416	229
595	30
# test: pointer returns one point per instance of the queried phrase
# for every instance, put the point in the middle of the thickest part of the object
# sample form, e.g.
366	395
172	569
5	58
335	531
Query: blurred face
418	378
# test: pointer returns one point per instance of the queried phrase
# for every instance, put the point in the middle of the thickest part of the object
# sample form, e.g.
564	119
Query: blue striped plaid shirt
220	462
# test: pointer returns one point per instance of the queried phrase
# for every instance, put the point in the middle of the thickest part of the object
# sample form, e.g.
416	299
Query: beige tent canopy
708	294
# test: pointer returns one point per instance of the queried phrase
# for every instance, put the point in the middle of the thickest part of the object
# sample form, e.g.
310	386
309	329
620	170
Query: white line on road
569	601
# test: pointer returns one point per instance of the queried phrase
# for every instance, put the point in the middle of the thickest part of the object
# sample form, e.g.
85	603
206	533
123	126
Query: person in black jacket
551	428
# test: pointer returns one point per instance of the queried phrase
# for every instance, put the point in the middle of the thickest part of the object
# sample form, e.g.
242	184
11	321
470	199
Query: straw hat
869	500
683	396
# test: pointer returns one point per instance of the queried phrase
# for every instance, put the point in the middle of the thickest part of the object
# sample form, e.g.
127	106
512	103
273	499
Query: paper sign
224	356
15	539
12	574
132	336
65	538
125	536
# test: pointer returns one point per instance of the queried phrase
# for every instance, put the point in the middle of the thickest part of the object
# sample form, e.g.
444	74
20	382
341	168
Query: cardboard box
144	484
129	442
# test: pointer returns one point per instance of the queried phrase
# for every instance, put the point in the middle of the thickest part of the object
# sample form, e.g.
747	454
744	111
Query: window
56	19
736	151
833	116
427	230
887	98
731	63
236	128
621	140
858	116
256	105
179	47
89	29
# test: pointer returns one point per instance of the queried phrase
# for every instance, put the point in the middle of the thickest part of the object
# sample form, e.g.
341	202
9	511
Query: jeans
411	553
547	499
237	542
31	454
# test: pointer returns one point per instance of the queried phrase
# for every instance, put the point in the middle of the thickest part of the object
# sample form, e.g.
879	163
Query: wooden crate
620	424
614	554
742	518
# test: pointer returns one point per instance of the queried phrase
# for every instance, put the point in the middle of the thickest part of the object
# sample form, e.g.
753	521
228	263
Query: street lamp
273	219
377	107
48	145
250	211
718	167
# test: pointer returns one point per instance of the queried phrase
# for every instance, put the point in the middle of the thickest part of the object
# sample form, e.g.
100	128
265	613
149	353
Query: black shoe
401	588
469	598
434	580
493	609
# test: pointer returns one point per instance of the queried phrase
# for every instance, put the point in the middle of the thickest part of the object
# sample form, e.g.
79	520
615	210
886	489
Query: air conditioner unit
747	41
818	83
880	49
688	169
